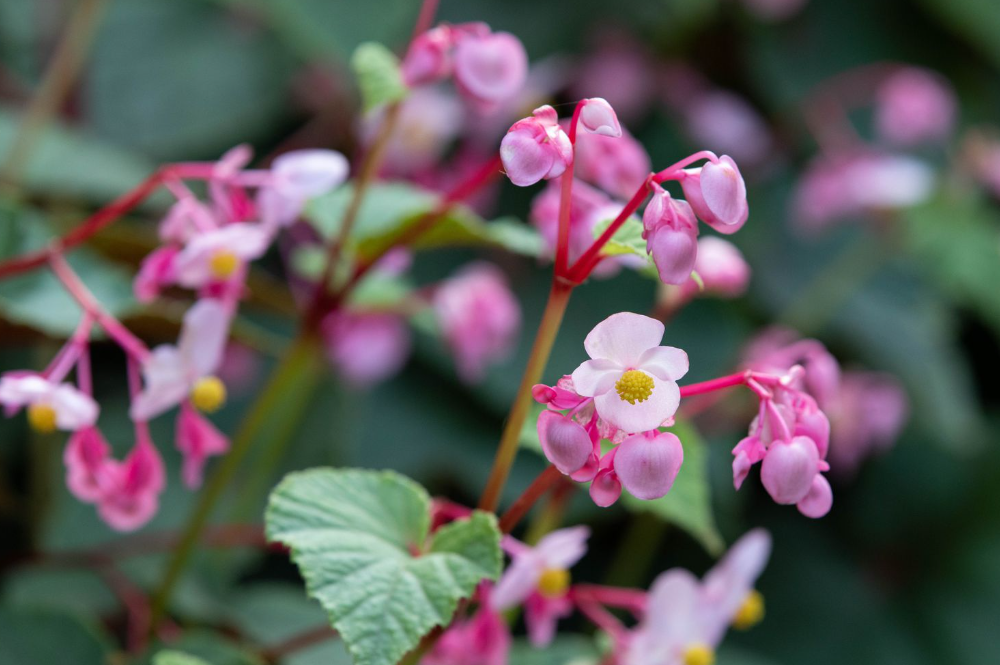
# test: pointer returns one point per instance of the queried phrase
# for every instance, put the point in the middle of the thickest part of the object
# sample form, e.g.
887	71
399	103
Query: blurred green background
905	569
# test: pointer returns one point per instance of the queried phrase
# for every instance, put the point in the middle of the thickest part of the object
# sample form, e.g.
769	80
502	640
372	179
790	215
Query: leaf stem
545	481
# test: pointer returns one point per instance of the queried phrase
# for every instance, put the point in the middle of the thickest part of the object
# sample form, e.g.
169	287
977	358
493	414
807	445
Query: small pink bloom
366	348
671	232
722	269
171	372
197	439
789	468
717	194
479	317
585	202
647	463
72	409
86	457
482	640
630	376
914	106
565	442
134	485
490	68
429	57
619	165
213	256
156	272
597	117
536	148
298	176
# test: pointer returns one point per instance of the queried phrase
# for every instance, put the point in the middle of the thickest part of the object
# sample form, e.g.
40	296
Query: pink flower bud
747	452
566	444
132	496
915	106
155	272
788	469
671	236
536	148
721	267
429	57
490	69
597	117
647	464
819	500
606	488
619	166
717	194
86	455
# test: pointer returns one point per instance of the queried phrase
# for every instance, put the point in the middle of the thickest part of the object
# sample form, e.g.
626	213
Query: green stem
299	359
544	340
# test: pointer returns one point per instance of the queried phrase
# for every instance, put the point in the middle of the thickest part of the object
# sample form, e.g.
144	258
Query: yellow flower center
208	394
553	582
699	654
42	418
634	386
223	263
751	612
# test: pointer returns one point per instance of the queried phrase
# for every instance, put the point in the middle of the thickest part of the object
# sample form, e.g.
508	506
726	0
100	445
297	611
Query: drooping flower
85	457
479	317
630	376
538	577
686	618
132	494
174	373
536	148
197	439
366	347
717	194
671	232
618	165
50	405
914	106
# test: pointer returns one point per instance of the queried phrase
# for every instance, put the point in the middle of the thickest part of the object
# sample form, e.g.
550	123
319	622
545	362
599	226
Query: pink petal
623	338
74	408
674	252
642	416
134	498
596	377
516	583
203	336
156	271
525	160
566	444
672	610
664	362
589	469
564	547
724	191
789	468
490	68
606	488
727	584
597	117
647	465
541	615
819	500
304	174
86	457
197	438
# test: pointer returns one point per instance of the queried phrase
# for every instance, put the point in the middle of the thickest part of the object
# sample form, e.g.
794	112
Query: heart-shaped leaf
360	539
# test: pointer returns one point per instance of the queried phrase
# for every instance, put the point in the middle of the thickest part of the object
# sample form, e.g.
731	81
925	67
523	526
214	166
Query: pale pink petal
156	271
728	583
563	548
597	117
672	615
664	362
203	336
490	68
596	377
541	616
197	439
723	189
819	500
517	582
623	338
304	174
17	390
605	488
647	465
674	253
74	409
166	382
642	416
788	469
566	444
525	160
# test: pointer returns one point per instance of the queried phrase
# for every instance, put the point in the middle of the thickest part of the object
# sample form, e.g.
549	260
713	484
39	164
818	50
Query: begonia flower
217	255
296	177
366	348
489	68
131	496
717	194
197	439
721	268
536	148
483	639
671	232
50	405
914	106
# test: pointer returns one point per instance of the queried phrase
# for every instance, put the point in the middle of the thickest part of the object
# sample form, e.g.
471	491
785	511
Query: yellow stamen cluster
699	654
634	386
223	264
42	418
751	612
208	394
553	582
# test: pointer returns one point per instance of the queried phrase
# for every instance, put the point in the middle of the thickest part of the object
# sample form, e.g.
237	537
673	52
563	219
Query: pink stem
603	619
633	600
566	198
83	374
669	172
427	11
70	352
737	379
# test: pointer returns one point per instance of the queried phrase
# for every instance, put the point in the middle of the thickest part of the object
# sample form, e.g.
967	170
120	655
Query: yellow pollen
553	582
634	386
208	394
42	418
699	654
223	263
751	612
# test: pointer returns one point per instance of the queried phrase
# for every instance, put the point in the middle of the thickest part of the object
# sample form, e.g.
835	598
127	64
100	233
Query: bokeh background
904	570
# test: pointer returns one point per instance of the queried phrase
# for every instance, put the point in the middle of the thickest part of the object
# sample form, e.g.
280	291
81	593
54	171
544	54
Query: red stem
566	199
427	11
538	487
590	258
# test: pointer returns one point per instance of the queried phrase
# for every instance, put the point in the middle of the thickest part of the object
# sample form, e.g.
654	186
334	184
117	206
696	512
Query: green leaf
379	76
172	657
353	535
37	299
390	208
626	240
688	504
68	163
42	636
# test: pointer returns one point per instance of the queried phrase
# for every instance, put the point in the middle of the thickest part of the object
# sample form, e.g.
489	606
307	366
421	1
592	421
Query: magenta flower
483	639
197	439
536	148
618	165
630	376
915	105
685	619
156	272
479	318
717	194
132	493
366	348
538	577
50	405
671	233
85	456
173	373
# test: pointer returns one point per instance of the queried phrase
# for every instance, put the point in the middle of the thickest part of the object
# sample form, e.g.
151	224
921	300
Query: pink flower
85	457
296	177
366	348
536	148
539	578
722	269
156	272
618	165
565	442
914	106
686	619
50	405
482	640
717	194
671	232
597	117
647	463
429	56
630	376
197	439
132	494
172	373
585	202
216	255
479	317
490	68
777	350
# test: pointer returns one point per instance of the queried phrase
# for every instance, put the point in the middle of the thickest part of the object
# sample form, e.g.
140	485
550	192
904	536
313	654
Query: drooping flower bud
717	194
536	148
